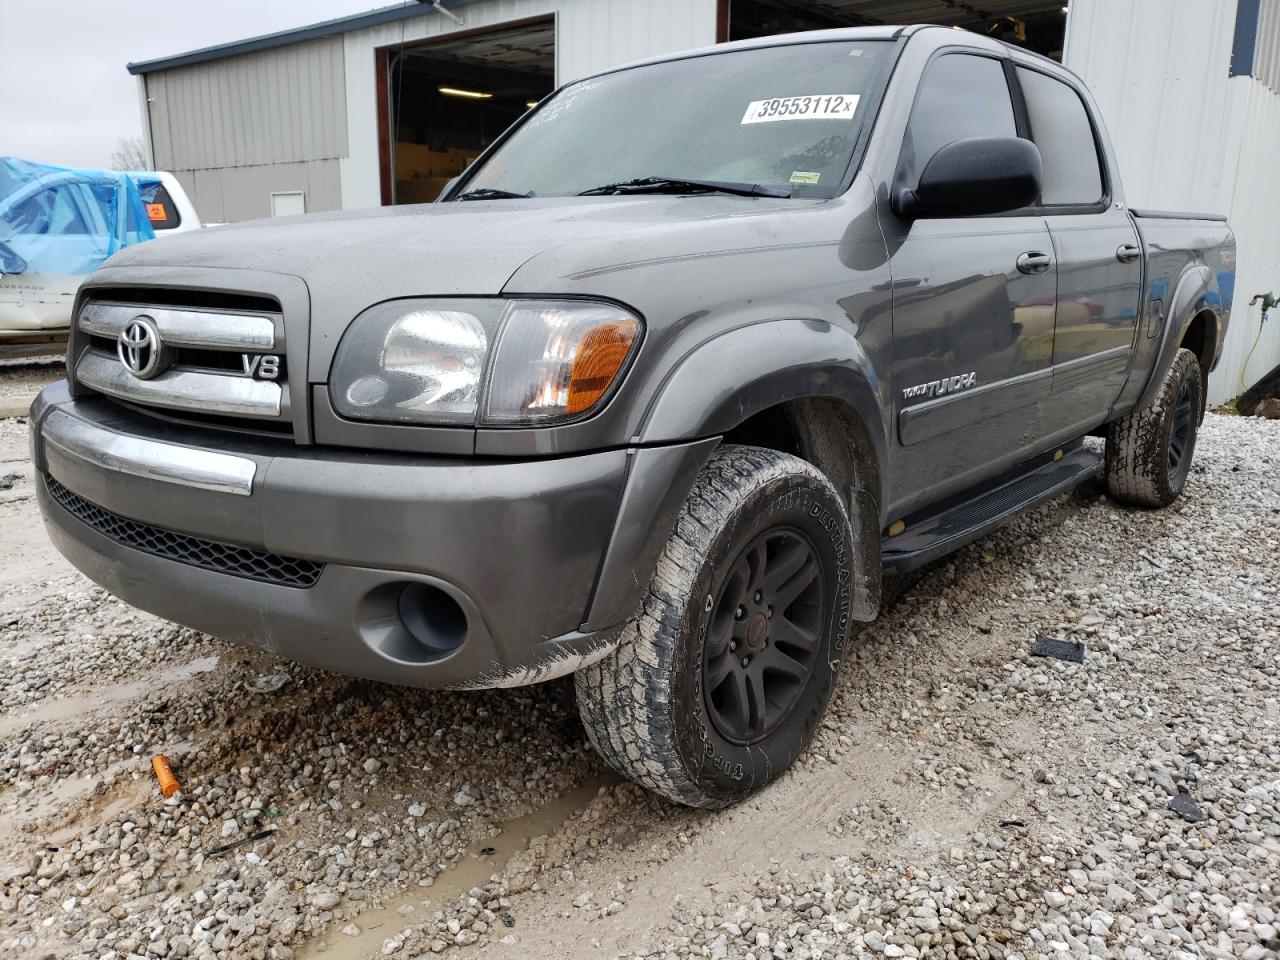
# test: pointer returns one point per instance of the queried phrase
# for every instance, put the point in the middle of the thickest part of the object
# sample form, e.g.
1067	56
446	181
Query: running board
930	537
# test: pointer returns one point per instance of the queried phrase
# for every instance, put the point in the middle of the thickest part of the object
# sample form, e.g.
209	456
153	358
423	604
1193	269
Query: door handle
1034	262
1128	253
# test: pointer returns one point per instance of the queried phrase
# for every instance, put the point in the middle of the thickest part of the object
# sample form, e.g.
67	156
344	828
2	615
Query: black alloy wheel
1184	416
763	636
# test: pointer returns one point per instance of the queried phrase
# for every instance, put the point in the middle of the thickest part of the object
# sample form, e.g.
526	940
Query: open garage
446	100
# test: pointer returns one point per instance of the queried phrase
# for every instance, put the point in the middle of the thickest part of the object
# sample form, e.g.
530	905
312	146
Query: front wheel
721	680
1149	452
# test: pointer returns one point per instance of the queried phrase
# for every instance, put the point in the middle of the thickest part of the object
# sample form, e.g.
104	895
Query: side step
929	537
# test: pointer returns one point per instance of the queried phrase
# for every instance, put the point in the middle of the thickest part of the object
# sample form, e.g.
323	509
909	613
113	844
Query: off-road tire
644	706
1139	445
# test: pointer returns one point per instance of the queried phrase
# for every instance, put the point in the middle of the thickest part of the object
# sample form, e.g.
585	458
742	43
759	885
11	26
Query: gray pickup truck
696	357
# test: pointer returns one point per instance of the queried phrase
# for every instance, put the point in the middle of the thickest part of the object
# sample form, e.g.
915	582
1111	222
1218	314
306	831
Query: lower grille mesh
228	558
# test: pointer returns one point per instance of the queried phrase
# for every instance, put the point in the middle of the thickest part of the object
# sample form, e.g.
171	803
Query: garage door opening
446	100
1037	26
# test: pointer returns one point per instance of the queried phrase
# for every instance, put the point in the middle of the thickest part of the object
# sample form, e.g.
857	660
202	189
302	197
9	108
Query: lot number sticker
821	106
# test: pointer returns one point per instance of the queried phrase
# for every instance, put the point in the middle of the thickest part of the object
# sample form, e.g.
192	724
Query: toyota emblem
139	349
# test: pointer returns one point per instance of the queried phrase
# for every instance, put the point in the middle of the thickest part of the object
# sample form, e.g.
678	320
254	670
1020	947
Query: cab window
1060	128
961	96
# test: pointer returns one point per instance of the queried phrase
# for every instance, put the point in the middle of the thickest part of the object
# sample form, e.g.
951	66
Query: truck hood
353	259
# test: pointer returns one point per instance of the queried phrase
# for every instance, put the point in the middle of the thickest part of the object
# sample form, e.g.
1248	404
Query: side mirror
970	178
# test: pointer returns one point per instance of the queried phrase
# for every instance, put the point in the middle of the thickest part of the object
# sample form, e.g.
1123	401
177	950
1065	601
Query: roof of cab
393	14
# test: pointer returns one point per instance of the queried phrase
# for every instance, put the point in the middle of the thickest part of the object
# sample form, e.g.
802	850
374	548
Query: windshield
785	117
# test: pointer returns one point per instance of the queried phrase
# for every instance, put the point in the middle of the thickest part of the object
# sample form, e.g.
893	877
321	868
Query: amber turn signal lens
600	356
557	359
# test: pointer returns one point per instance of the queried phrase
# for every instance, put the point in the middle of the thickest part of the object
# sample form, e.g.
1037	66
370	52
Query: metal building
1191	95
384	107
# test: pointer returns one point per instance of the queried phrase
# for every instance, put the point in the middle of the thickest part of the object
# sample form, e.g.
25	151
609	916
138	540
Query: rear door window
1060	128
161	210
960	97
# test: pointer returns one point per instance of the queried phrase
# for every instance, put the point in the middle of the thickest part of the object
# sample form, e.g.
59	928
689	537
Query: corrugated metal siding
277	106
1250	154
1190	137
228	194
1266	58
591	35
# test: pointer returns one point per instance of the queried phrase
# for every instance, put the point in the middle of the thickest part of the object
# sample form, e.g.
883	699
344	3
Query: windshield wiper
678	185
491	193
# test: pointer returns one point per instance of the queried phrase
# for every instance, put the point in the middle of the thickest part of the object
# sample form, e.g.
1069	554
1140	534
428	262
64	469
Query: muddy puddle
50	800
68	708
483	859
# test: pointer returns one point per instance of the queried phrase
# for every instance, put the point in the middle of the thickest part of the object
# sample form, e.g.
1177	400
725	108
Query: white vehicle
53	234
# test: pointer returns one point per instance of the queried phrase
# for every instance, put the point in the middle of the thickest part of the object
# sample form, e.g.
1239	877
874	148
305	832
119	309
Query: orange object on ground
169	784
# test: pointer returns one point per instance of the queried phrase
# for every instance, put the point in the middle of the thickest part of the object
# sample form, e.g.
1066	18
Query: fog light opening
433	618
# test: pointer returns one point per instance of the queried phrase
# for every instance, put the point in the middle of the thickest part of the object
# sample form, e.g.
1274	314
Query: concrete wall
591	35
1191	137
234	130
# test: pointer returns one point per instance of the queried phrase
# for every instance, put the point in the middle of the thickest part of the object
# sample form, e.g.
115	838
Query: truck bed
1144	214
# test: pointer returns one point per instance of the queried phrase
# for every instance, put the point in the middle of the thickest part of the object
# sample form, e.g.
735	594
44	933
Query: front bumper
543	557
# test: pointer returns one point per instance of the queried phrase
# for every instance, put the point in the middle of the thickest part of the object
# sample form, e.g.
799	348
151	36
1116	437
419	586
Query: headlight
413	361
433	361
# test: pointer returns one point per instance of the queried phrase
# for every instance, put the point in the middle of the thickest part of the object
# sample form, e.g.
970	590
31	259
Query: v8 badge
259	366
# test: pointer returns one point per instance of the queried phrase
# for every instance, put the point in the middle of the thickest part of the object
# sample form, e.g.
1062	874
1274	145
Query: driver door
973	305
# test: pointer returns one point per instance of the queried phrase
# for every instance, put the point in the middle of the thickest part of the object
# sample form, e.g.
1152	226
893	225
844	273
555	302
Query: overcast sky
65	96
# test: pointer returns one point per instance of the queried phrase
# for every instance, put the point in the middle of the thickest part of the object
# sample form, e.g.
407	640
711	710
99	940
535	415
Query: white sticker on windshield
820	106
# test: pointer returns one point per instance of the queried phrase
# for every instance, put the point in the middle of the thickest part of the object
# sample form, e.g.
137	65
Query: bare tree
129	154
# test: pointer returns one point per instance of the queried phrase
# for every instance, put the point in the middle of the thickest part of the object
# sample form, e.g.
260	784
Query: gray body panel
549	536
518	544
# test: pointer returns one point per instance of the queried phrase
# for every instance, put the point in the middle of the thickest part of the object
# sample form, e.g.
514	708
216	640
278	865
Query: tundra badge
936	388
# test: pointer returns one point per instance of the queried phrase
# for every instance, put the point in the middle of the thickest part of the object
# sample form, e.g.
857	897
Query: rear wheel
1149	452
722	679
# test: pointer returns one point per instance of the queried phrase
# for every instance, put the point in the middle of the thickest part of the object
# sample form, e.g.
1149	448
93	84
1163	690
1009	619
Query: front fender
747	370
719	385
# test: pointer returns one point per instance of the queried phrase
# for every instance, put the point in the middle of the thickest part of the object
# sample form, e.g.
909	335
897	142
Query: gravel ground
24	378
963	798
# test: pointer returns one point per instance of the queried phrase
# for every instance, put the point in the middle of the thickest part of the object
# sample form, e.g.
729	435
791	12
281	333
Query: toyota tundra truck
693	360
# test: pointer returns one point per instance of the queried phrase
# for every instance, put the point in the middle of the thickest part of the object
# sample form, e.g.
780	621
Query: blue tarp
66	221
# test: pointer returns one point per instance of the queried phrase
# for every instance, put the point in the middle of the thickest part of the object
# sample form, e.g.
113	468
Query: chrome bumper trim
184	328
182	389
150	459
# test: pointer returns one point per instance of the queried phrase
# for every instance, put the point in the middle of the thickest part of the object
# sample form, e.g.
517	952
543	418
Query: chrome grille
184	328
203	374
